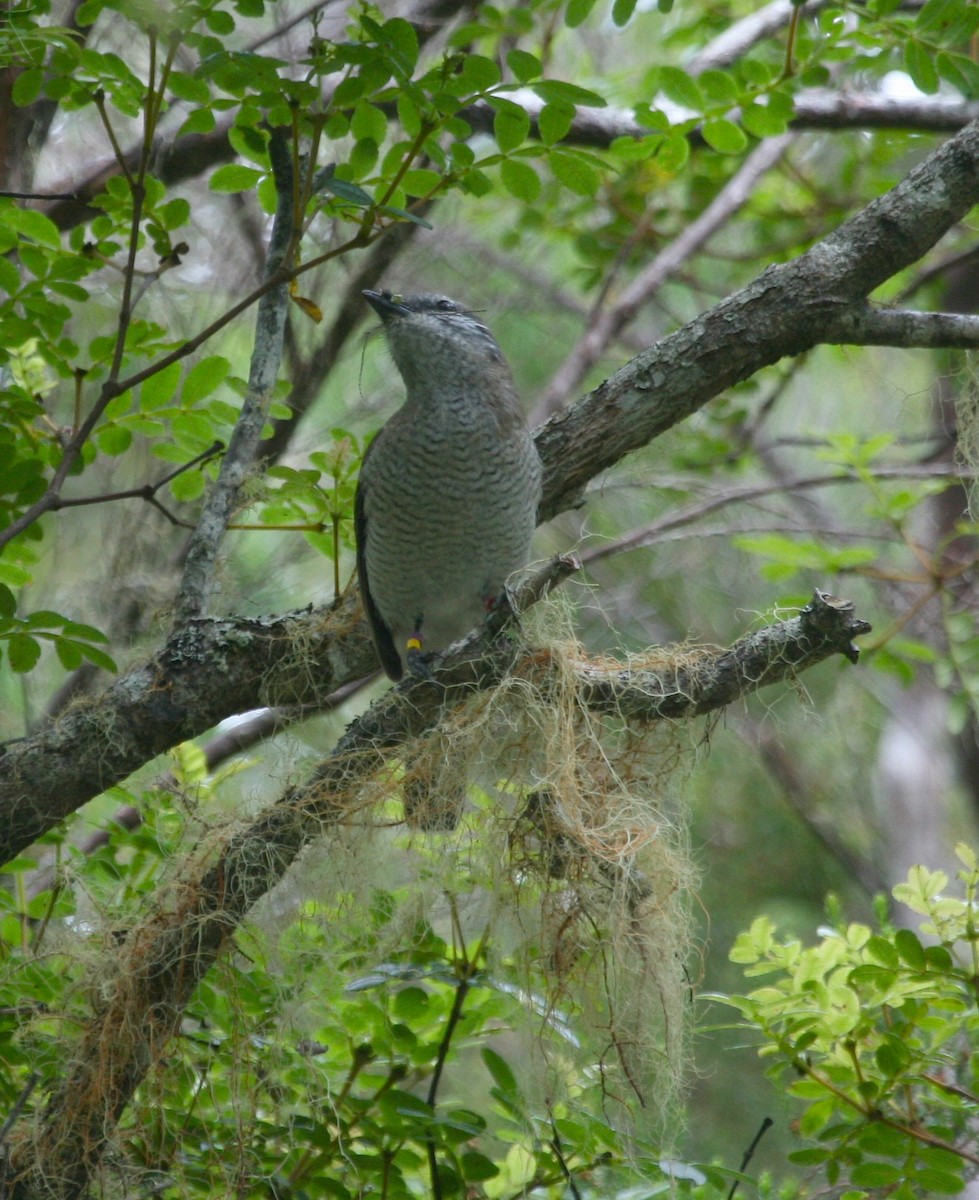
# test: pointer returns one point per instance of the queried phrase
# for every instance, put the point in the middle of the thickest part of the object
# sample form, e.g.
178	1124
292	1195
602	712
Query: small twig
202	553
465	972
749	1154
606	326
648	534
788	66
565	1170
147	492
32	1081
39	195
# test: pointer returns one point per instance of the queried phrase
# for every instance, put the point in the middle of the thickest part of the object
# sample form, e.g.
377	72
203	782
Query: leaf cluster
875	1034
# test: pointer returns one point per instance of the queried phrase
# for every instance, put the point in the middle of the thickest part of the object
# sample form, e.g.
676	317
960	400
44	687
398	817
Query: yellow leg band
413	644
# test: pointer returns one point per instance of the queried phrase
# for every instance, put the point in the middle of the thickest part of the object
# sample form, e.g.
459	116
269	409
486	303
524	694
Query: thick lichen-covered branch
788	309
169	952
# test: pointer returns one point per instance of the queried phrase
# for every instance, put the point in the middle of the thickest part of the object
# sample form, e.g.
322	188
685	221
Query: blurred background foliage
544	162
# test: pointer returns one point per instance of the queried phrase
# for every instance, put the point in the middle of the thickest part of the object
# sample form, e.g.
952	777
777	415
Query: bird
446	503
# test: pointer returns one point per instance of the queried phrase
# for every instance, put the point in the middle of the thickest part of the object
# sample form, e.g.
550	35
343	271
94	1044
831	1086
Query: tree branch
242	450
211	669
193	155
787	310
169	952
865	325
653	531
607	325
709	680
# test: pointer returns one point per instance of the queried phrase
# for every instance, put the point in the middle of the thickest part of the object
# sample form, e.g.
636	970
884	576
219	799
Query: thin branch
749	1154
710	679
606	326
562	1162
802	793
651	532
147	492
782	313
815	109
178	693
39	195
171	949
242	450
936	270
740	36
865	325
18	1106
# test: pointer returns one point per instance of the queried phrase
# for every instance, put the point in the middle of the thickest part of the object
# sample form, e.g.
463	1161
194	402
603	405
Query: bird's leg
415	656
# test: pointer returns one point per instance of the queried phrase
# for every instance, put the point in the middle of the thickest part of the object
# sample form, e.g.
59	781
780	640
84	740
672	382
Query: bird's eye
446	305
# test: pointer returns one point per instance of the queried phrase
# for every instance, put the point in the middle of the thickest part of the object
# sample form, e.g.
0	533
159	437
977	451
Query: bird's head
435	340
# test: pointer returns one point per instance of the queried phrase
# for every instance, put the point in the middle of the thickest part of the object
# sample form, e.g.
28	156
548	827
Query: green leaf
554	122
23	652
677	85
520	179
420	181
160	388
479	74
961	72
411	1003
114	439
875	1175
763	120
511	125
98	657
188	486
556	91
718	88
27	86
523	65
201	121
889	1059
724	136
204	377
499	1068
368	121
188	87
476	1167
883	952
219	22
577	11
234	177
945	1183
910	949
674	152
33	225
343	189
8	601
69	653
174	213
622	11
403	215
9	277
78	629
574	172
919	65
402	41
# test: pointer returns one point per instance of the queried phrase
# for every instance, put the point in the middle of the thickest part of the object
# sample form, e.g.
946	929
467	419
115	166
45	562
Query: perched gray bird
448	492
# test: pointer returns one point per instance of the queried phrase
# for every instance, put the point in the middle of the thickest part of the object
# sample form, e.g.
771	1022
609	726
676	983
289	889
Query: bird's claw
417	662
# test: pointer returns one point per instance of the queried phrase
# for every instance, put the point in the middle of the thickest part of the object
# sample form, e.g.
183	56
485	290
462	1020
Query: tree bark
211	670
168	953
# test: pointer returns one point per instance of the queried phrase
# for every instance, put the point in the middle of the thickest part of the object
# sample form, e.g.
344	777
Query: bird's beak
385	305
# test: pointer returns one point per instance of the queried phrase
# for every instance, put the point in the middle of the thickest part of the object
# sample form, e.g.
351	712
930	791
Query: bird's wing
387	652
